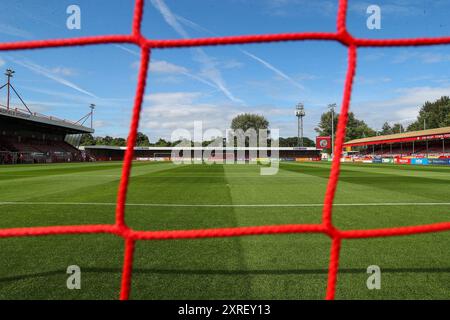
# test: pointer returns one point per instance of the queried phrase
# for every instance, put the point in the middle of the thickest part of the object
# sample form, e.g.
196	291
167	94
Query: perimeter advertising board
377	160
422	161
402	161
440	161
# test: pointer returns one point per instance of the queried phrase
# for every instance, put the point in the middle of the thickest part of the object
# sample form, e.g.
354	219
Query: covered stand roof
24	118
430	134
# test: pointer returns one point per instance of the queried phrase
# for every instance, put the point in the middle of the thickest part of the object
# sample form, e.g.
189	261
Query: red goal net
130	236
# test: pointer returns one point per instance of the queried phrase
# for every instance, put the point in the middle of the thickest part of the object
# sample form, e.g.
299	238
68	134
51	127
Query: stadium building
30	137
111	153
433	144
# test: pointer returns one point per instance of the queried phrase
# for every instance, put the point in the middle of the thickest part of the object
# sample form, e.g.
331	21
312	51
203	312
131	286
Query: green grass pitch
168	196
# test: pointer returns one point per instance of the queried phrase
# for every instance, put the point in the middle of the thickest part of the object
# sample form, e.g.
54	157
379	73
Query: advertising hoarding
421	161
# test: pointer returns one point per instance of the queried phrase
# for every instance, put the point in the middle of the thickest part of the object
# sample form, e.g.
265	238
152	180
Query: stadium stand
424	143
29	137
32	141
111	153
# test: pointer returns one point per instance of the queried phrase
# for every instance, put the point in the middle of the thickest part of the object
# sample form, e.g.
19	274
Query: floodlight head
9	72
92	106
300	110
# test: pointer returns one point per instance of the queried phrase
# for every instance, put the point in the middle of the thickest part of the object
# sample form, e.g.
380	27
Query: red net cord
130	236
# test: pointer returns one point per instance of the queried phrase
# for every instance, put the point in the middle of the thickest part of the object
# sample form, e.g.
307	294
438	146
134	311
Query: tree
356	129
435	115
107	141
386	129
397	128
162	143
142	140
324	127
293	142
247	121
87	140
119	142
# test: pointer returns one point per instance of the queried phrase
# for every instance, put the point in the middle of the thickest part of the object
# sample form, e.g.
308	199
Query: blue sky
213	84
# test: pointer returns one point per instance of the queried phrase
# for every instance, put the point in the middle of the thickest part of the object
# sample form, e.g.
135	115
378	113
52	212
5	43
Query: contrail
266	64
271	67
209	70
185	73
47	73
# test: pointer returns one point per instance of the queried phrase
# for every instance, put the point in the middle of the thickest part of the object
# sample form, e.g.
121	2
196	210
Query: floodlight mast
9	73
92	106
331	107
88	116
300	113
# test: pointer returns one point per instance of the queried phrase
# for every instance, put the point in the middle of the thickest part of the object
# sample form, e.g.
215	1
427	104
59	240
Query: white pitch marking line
227	205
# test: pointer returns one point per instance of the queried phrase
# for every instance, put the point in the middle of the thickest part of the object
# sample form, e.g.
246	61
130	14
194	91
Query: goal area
146	45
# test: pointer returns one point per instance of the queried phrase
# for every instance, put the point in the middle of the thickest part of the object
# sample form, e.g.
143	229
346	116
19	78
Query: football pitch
164	196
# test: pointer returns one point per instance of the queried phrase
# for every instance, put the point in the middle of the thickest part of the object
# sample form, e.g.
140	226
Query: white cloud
171	98
424	57
305	76
162	66
403	108
361	80
2	62
15	32
100	124
435	57
64	71
209	70
34	106
48	73
165	112
232	64
416	96
77	100
371	55
237	64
